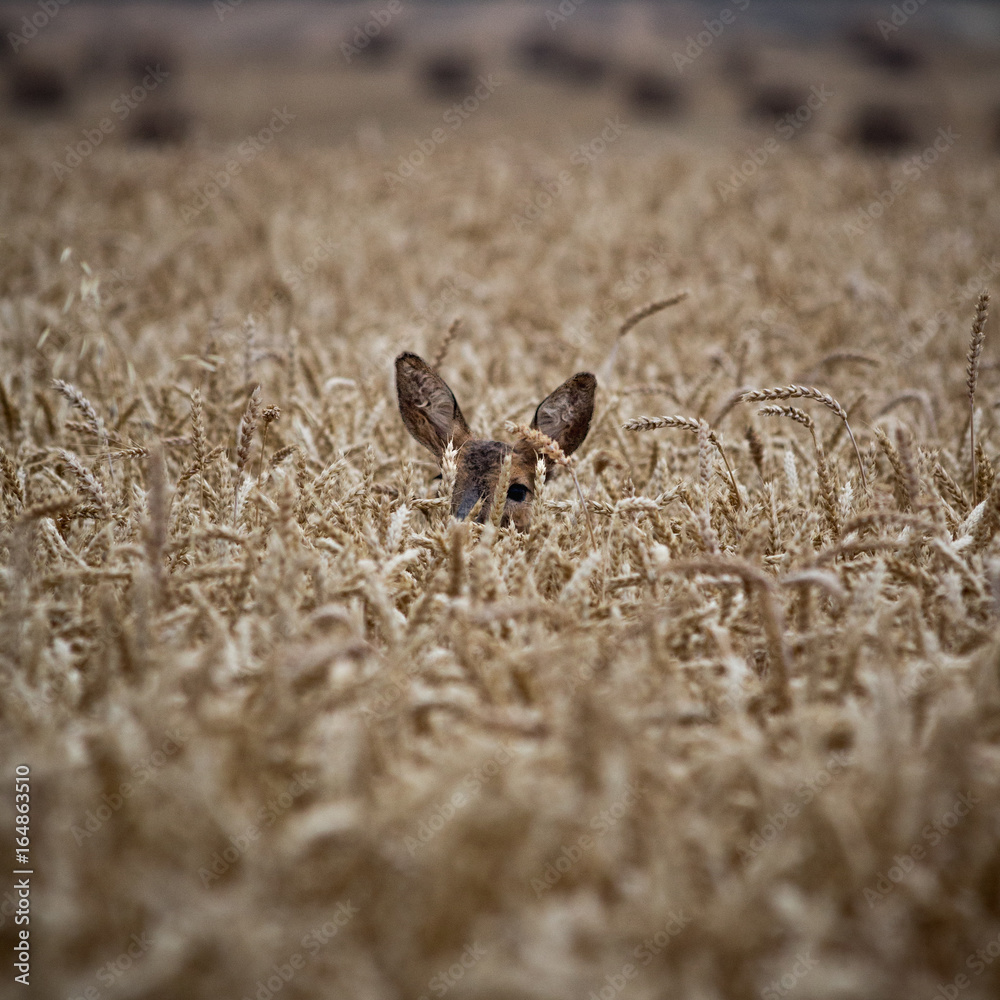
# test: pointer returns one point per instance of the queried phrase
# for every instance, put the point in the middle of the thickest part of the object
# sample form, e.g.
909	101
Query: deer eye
517	493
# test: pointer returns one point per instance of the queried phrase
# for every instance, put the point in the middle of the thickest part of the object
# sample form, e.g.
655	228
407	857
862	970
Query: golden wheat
678	735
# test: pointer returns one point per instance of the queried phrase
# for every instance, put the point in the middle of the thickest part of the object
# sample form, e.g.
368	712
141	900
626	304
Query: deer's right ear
428	406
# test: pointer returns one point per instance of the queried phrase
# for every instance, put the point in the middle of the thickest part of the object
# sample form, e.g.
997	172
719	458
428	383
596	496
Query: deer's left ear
566	413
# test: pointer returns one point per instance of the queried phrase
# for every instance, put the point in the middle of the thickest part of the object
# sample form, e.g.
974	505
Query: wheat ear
552	450
446	340
244	439
688	424
809	392
972	369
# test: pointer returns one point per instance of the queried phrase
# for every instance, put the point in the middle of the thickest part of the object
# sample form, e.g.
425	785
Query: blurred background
389	73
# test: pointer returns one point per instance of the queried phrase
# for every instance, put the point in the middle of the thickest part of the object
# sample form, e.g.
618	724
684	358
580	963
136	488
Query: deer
431	414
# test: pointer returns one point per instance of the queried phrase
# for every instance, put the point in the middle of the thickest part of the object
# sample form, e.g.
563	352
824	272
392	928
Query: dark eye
517	493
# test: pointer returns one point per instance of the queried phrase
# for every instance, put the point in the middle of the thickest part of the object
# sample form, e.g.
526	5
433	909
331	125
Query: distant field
293	732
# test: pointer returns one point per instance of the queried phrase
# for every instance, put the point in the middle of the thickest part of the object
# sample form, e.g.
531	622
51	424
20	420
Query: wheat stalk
810	392
972	377
650	309
449	336
551	449
500	492
828	496
244	441
78	400
693	426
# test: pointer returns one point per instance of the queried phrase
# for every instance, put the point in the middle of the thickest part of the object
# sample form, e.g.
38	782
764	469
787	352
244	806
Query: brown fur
432	415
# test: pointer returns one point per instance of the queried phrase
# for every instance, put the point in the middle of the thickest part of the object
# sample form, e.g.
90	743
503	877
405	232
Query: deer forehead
480	460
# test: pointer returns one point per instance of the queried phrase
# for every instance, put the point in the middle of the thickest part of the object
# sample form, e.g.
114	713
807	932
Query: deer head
432	416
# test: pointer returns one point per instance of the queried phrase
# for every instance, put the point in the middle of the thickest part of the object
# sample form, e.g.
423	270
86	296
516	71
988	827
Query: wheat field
731	731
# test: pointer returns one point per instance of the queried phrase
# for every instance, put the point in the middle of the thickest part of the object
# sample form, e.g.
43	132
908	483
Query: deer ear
565	414
428	406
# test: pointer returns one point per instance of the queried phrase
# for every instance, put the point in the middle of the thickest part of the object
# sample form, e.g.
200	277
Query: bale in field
554	58
38	86
882	128
651	95
163	124
776	100
540	53
448	74
866	42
